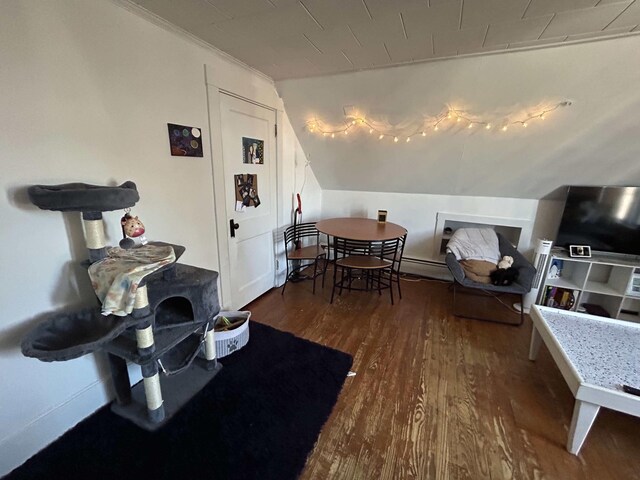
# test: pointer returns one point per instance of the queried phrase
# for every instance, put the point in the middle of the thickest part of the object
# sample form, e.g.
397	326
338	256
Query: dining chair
302	249
372	261
398	261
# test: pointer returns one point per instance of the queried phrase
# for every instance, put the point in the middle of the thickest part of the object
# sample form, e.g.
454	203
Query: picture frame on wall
252	151
185	141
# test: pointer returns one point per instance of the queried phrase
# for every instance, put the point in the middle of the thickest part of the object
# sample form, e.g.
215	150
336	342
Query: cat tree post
146	345
94	235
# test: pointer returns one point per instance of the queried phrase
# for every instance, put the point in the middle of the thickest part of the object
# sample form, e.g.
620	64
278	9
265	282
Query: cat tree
169	331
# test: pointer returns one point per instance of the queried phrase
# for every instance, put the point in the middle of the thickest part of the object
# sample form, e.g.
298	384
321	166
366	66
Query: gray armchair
526	273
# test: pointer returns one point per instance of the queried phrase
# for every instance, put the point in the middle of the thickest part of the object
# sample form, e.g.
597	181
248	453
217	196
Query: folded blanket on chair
478	270
115	278
475	244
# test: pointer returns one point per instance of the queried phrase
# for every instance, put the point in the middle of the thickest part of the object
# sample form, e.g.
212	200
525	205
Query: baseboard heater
422	261
426	268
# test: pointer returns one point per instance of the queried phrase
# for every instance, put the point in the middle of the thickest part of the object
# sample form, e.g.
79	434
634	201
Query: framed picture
583	251
246	186
185	141
252	150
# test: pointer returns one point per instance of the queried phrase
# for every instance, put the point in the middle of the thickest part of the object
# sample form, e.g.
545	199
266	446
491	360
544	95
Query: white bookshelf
600	280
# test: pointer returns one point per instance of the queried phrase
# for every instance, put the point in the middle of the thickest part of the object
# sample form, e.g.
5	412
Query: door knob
233	226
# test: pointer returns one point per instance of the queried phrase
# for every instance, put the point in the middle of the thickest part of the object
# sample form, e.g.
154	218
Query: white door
249	158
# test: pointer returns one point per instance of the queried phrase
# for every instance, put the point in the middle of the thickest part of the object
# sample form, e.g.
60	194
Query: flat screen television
605	218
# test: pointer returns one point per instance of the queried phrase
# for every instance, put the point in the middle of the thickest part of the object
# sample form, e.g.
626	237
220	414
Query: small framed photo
583	251
185	141
382	216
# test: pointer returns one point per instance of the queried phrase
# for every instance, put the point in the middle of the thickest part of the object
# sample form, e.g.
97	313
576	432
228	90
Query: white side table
596	356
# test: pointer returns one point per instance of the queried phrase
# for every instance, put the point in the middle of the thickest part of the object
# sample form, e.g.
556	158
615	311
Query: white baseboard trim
426	268
22	445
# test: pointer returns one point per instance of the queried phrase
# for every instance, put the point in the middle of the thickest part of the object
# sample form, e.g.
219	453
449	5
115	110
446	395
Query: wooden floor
441	397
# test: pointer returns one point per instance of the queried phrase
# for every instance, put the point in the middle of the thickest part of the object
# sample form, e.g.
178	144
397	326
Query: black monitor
605	218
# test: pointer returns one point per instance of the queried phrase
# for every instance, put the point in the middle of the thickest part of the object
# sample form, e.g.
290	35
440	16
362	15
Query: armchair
526	273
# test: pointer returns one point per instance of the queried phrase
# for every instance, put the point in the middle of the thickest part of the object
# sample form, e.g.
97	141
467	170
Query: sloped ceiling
593	141
300	38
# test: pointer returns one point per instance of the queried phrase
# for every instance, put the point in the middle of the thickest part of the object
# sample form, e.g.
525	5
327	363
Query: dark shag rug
257	419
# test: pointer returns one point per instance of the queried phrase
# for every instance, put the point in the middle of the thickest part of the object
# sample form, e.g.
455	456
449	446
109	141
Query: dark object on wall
246	191
504	276
185	141
605	218
252	150
258	419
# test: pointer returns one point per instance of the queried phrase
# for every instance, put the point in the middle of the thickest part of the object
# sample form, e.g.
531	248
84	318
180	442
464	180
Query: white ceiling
301	38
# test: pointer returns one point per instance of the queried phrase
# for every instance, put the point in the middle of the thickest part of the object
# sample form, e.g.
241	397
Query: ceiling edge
151	17
470	55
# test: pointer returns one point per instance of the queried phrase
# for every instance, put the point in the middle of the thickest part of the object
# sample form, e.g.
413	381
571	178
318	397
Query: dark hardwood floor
436	396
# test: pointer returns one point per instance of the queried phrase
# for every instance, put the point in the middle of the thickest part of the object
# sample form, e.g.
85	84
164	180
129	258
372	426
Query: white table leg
534	346
584	413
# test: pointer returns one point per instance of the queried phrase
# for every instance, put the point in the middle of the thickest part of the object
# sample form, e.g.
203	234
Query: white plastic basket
232	340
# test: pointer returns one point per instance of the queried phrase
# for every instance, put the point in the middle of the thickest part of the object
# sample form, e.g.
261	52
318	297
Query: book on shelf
558	297
555	269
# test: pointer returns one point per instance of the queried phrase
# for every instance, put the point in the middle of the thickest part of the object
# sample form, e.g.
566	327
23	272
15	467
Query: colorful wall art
246	191
252	150
185	141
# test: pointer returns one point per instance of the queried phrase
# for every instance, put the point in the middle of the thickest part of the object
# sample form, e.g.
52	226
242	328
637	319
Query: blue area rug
257	419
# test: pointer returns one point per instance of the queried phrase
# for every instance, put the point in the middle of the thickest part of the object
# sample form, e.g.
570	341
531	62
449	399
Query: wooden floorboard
441	397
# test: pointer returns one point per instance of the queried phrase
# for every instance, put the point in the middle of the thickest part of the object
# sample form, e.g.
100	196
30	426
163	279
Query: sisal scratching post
94	235
146	346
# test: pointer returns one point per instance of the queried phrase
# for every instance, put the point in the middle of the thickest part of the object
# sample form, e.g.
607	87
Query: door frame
240	87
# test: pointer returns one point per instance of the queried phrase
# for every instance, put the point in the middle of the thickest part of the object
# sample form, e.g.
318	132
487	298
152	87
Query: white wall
296	177
86	91
592	142
418	214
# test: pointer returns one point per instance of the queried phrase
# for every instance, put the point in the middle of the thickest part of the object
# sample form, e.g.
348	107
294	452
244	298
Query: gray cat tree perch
172	318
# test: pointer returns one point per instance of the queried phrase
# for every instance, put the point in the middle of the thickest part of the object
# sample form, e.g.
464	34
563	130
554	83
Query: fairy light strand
456	116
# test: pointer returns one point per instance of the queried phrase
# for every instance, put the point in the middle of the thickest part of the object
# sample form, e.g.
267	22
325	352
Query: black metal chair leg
315	269
391	286
286	279
333	289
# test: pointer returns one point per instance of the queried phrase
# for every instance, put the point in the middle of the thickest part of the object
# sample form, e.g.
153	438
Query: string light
317	126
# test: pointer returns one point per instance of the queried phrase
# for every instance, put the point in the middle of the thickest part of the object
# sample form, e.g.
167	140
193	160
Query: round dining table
366	229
